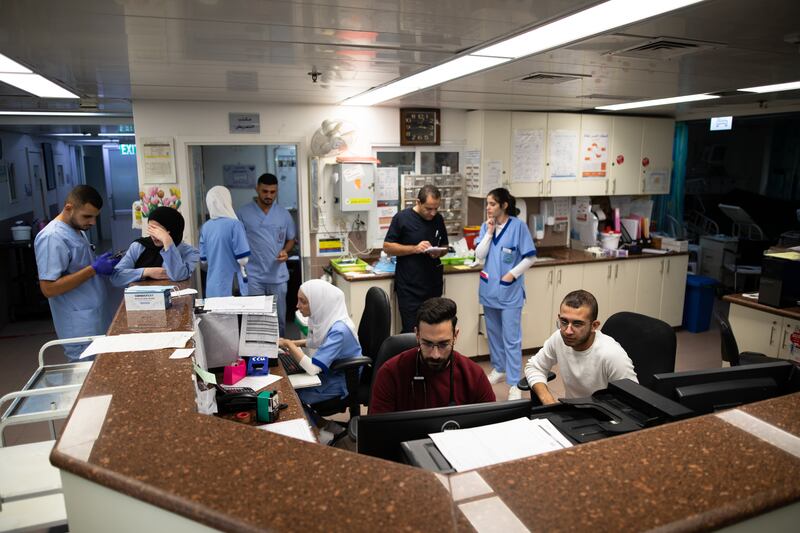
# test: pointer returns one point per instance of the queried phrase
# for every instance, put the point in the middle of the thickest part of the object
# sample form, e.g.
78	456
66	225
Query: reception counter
136	456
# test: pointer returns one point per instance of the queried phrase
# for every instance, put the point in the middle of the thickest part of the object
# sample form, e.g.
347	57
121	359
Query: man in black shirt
418	237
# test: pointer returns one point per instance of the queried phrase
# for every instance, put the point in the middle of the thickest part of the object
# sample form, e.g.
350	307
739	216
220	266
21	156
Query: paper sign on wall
494	176
387	184
158	160
594	155
563	151
527	156
472	171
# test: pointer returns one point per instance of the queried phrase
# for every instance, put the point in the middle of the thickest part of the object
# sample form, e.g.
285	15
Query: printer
780	282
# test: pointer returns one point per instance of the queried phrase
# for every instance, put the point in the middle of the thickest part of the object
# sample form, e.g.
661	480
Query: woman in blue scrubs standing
506	247
223	244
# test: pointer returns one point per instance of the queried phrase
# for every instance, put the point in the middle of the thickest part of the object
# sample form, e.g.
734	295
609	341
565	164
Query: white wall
191	123
14	152
214	157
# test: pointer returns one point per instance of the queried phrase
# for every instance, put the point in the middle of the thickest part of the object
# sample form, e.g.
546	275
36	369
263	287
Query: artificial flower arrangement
154	197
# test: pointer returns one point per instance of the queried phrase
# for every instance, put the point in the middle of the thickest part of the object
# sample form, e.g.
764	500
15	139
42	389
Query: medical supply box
148	297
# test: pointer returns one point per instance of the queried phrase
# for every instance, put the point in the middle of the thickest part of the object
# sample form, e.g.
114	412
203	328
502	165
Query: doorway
122	189
238	168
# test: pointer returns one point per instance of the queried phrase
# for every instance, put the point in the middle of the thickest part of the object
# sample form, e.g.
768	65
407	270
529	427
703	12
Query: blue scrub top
179	262
267	235
222	242
505	252
60	250
339	343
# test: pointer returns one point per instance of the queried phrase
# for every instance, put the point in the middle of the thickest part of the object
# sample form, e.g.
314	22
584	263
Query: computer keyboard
289	364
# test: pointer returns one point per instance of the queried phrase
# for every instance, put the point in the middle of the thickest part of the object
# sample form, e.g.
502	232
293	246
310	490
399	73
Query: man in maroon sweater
433	374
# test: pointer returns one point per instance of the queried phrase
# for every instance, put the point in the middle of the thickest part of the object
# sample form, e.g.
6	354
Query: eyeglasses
563	323
431	346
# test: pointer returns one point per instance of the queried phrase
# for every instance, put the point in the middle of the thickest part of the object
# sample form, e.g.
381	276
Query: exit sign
127	149
126	128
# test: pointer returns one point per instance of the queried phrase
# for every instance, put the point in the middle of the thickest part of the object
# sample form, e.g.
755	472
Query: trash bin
699	303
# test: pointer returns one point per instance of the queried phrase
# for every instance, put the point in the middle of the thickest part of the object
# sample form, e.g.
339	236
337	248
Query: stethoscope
421	379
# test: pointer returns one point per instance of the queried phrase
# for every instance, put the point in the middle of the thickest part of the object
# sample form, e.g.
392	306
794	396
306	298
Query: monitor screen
381	435
705	391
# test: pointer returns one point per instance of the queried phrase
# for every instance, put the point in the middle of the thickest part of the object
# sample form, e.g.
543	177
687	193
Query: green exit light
126	128
127	149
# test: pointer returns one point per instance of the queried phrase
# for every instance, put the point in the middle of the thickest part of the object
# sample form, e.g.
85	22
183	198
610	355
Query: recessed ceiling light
70	134
116	134
36	84
657	102
63	114
789	86
9	65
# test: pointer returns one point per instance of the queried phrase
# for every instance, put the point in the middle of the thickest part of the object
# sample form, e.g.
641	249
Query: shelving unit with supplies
453	206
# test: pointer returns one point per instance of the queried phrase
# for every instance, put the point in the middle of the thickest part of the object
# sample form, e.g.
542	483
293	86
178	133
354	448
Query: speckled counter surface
788	312
556	256
692	475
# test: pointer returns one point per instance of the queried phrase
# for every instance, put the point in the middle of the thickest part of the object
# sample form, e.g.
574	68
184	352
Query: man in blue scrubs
271	233
69	272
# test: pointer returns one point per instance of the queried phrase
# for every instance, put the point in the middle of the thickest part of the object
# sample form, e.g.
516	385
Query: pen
436	236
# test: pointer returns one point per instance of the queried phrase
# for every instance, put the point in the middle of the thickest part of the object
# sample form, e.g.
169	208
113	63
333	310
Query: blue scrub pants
505	341
278	290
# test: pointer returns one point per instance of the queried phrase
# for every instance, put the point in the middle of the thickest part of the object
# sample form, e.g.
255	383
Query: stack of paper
467	449
259	335
240	305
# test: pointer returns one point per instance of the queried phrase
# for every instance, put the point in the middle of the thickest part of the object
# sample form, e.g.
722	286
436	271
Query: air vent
549	78
665	48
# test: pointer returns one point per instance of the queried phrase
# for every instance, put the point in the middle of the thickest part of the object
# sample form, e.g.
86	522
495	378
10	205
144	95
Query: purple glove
104	265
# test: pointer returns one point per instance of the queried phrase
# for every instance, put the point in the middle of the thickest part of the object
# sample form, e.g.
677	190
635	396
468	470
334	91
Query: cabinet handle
550	278
614	189
616	271
668	262
609	271
771	333
662	267
559	277
606	187
783	341
549	187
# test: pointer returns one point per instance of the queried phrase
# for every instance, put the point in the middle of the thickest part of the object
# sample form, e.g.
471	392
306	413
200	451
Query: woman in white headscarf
331	332
223	244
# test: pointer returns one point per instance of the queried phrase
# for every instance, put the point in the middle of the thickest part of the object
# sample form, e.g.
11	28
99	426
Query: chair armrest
343	365
523	384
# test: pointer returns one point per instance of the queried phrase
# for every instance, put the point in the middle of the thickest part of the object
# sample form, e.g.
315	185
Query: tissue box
234	373
674	245
148	297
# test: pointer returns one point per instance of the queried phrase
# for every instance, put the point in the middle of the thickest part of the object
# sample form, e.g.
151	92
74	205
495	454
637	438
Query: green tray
358	266
454	260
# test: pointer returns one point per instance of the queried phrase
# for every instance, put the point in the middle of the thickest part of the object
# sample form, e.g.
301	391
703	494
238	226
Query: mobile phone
119	255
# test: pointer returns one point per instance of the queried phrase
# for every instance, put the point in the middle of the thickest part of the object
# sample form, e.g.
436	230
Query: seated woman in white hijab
331	332
223	245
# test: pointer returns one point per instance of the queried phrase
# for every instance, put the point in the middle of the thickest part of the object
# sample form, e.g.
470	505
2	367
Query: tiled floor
21	342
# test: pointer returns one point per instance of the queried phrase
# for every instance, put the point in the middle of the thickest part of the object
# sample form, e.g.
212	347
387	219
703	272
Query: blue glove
104	265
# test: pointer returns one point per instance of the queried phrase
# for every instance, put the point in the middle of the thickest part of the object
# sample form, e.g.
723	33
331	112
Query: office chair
373	328
390	347
649	342
729	349
746	261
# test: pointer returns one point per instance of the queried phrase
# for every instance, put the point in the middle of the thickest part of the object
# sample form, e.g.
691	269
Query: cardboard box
148	297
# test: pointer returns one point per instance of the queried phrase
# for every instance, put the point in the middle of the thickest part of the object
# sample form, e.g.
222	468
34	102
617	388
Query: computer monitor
705	391
380	435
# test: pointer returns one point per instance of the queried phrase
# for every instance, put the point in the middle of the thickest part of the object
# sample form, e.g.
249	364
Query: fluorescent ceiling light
70	134
592	21
790	86
9	65
62	114
36	84
116	134
456	68
659	101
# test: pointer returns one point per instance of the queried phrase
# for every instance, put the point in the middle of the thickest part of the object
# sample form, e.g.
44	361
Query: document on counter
137	342
467	449
255	382
297	429
183	292
182	353
240	305
304	380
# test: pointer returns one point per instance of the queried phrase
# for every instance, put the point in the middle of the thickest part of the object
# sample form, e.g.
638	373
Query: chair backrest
392	346
374	326
728	347
649	342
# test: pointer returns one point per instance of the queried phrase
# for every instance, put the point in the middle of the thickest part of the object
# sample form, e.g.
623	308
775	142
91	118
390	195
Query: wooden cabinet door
537	318
565	122
463	290
622	296
567	278
597	279
496	147
790	340
657	140
673	289
648	286
593	149
626	155
755	331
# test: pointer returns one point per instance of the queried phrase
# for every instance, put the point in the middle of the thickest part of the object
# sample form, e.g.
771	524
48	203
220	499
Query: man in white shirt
587	359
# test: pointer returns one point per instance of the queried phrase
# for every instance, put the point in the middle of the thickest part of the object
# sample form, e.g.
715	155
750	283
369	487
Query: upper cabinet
567	154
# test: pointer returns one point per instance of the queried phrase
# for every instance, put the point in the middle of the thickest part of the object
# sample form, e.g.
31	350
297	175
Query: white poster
527	155
158	160
494	176
387	184
563	154
594	155
472	171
